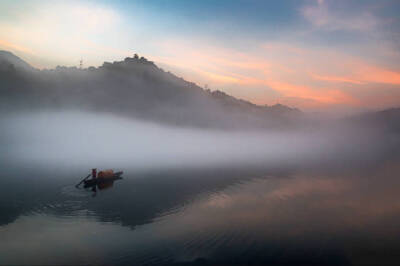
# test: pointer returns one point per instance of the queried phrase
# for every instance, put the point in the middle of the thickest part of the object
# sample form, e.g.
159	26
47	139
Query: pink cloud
303	76
335	79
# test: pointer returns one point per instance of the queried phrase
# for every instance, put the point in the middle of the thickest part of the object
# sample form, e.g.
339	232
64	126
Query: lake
331	211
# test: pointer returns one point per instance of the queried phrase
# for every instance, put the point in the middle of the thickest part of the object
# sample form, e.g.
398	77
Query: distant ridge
386	119
134	87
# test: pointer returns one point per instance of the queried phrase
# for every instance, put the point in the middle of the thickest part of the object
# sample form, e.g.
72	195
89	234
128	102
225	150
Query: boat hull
100	181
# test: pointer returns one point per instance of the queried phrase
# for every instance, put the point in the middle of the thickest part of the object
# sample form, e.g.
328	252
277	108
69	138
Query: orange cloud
362	73
323	95
224	67
294	72
335	79
220	78
378	75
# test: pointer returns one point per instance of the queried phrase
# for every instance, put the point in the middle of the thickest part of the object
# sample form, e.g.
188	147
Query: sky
310	54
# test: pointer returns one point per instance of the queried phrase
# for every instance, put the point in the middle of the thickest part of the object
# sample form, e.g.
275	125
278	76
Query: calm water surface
339	214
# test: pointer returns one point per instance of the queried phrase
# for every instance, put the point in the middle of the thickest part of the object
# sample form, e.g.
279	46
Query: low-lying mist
79	139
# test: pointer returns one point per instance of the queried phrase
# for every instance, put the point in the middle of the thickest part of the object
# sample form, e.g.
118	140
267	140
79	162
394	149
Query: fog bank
78	139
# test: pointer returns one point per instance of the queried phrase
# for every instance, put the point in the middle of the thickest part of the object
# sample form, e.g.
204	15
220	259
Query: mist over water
321	195
83	139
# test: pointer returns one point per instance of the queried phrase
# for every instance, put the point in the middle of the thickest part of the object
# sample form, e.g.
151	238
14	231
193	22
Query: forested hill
134	87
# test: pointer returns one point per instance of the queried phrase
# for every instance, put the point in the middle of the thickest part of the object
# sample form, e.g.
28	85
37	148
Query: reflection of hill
134	87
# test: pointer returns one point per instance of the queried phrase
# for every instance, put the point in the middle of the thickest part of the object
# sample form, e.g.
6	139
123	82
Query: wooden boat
104	179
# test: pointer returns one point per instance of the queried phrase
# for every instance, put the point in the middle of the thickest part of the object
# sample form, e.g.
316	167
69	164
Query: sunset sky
312	54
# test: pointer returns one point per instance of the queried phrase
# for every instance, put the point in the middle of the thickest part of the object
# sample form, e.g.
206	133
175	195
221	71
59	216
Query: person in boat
102	180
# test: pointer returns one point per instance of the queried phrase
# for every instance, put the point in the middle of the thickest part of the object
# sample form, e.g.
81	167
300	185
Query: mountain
388	119
8	59
134	87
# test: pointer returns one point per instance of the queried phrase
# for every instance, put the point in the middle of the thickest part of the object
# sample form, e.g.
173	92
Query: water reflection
149	194
302	219
305	216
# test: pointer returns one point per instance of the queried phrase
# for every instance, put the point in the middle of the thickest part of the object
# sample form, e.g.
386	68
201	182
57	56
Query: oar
77	185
